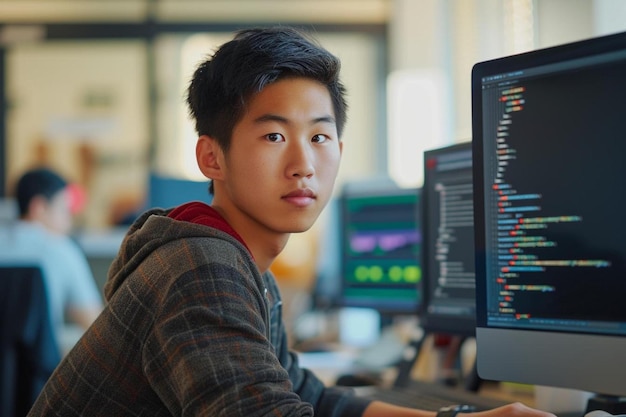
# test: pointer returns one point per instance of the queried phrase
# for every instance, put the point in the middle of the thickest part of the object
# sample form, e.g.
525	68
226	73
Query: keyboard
431	396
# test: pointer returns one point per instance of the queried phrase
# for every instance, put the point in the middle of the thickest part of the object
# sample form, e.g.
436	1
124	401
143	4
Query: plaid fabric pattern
191	328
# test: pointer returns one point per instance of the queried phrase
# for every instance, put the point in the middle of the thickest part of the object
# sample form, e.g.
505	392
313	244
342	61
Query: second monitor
449	304
380	249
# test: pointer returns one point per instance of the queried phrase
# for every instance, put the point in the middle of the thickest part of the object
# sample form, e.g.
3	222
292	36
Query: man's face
284	157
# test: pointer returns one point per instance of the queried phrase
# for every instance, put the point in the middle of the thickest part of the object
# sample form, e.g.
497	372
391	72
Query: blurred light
519	26
417	103
77	198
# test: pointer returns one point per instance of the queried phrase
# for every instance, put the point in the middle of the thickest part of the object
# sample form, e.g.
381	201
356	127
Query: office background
96	88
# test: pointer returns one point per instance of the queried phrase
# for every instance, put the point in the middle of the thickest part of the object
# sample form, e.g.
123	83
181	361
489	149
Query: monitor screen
449	301
380	249
549	167
167	192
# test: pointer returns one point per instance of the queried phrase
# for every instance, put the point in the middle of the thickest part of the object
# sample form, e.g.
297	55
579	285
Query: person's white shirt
68	278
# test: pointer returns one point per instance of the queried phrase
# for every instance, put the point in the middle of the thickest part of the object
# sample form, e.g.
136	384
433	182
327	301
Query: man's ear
210	157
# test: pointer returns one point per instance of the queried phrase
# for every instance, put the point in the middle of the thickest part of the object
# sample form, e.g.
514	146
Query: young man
40	235
193	321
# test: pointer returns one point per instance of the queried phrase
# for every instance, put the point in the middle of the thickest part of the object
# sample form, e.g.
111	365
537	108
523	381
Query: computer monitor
380	249
167	192
549	167
449	300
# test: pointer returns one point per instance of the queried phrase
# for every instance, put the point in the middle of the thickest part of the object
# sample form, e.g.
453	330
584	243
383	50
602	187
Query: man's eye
319	138
275	137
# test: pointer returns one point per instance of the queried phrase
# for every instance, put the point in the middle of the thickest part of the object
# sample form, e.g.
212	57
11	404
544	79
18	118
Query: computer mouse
600	413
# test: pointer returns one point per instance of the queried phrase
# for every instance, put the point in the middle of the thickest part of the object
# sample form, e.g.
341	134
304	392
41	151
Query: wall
81	108
433	44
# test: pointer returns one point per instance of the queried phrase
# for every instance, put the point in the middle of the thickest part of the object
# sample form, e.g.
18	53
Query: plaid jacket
191	328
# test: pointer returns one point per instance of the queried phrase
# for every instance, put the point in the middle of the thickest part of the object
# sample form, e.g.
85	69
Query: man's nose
301	161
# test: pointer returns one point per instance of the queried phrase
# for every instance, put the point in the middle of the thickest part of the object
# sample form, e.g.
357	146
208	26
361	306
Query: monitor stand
472	381
409	357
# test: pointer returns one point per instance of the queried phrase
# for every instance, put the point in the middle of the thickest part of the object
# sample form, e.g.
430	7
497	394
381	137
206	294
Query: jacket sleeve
327	401
208	352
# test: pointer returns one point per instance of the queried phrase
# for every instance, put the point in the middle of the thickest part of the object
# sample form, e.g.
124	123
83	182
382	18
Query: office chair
28	348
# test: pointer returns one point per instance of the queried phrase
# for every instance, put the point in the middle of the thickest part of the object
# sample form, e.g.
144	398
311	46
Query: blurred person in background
40	235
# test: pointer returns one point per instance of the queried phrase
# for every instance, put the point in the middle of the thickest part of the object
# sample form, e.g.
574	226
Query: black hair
42	182
222	85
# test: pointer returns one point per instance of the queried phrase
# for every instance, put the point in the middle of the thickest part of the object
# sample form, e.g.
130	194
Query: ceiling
223	11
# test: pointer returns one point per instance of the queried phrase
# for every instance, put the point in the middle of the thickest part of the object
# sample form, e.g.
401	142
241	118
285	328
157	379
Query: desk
100	248
329	365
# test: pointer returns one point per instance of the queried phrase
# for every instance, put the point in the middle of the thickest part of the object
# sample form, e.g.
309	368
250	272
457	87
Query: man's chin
299	227
298	230
299	224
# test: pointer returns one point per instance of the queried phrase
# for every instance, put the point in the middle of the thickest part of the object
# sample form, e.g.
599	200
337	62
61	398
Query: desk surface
101	243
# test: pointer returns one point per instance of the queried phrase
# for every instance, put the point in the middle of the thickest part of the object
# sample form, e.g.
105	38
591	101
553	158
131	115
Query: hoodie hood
201	213
156	228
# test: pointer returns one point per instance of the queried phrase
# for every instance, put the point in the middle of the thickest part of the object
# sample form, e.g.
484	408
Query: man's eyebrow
269	117
324	119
